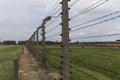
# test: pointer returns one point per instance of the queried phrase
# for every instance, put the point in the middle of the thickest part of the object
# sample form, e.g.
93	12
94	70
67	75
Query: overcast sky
20	18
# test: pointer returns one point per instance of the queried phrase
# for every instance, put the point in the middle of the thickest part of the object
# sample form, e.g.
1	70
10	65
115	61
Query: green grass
7	55
89	63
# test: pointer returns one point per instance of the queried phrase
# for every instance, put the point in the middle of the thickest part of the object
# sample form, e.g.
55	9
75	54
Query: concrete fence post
15	68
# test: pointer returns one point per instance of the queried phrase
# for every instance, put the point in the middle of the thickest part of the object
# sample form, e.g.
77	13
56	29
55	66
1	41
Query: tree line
13	42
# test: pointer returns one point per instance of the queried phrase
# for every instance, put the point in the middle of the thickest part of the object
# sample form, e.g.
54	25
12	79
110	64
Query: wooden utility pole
65	41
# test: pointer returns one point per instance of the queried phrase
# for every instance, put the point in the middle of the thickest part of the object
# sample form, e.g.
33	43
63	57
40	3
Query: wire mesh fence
80	51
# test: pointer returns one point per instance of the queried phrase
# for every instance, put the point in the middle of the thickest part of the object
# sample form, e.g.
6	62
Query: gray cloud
19	18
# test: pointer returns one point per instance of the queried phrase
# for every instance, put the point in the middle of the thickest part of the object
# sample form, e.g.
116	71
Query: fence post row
65	41
33	43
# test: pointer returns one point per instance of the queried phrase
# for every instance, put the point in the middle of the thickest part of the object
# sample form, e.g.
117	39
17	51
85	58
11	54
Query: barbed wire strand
92	7
55	6
72	4
54	36
88	7
115	34
52	21
86	33
54	12
96	19
57	12
50	35
50	30
95	23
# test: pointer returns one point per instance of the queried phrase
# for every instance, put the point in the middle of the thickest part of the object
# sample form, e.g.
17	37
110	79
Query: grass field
89	63
7	53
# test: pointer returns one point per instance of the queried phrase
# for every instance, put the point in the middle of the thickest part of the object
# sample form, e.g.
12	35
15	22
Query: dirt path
29	70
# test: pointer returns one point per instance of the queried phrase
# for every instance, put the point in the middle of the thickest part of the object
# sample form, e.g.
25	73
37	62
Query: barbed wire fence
55	27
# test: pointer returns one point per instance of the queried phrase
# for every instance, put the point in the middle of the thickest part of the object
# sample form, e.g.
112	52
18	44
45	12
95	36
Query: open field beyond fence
89	63
86	63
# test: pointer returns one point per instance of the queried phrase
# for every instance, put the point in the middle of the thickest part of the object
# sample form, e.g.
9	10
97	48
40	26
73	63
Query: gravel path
29	70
